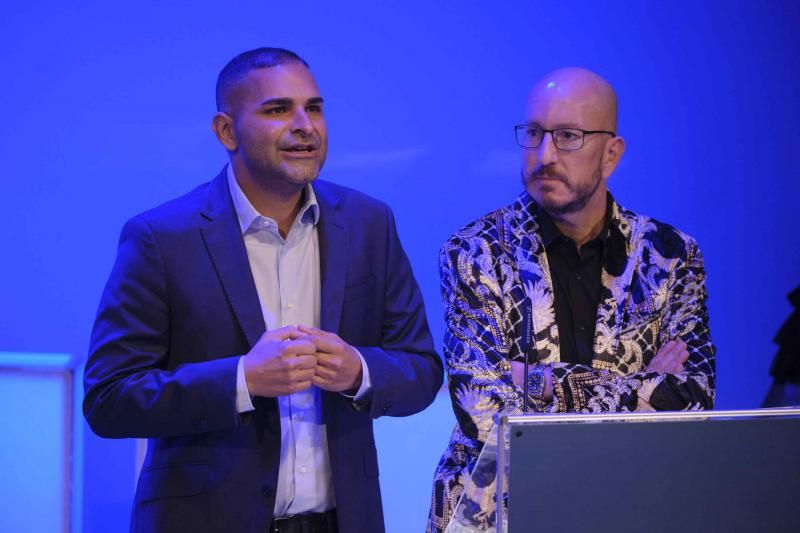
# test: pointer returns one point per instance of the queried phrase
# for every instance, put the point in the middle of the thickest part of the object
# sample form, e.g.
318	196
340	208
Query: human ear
613	153
222	124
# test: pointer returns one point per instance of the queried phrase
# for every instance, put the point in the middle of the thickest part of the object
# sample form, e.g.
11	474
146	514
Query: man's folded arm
581	388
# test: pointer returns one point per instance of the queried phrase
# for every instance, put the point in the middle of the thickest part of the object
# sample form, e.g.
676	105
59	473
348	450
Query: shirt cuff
243	401
366	383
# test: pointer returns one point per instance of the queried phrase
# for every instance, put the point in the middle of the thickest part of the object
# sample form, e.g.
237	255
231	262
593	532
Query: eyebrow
565	125
288	101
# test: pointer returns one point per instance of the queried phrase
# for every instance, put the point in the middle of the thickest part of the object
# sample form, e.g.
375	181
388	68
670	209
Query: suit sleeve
405	370
476	342
129	390
685	317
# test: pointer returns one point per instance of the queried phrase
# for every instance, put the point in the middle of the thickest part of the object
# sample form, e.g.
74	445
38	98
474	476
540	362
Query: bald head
579	90
565	170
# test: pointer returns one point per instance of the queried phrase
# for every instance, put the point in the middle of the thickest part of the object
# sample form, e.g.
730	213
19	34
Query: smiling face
273	127
565	182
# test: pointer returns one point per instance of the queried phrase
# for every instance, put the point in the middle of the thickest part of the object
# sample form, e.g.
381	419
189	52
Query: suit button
386	407
266	491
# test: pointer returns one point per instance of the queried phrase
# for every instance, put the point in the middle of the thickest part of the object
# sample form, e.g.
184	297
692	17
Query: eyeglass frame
555	143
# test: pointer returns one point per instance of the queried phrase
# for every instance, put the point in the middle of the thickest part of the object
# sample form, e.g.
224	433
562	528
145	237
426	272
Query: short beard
583	193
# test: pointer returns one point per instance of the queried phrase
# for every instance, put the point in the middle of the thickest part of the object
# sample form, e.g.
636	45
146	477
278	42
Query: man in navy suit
253	328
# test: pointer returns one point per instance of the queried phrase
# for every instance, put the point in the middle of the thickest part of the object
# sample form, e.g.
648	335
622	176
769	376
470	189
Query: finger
661	361
328	359
675	357
682	352
299	346
656	365
309	330
316	332
517	371
657	362
300	362
327	344
324	373
670	350
666	348
667	345
670	357
299	386
322	383
674	367
286	332
331	364
301	375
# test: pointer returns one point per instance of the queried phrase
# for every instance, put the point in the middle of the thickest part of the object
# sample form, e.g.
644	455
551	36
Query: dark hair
238	67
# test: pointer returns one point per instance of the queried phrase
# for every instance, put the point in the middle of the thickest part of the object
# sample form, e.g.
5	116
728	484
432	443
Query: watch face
536	382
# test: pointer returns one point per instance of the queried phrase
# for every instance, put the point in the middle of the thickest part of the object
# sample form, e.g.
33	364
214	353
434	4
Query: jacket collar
534	271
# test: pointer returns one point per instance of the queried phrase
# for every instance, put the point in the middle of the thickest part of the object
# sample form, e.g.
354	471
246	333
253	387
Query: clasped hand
291	359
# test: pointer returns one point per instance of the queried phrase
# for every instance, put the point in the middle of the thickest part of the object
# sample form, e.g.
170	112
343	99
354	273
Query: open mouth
300	149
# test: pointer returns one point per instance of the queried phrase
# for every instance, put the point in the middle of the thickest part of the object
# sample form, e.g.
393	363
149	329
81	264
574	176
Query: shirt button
290	305
578	277
303	469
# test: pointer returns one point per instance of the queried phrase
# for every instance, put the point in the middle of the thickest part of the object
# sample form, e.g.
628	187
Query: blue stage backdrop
108	108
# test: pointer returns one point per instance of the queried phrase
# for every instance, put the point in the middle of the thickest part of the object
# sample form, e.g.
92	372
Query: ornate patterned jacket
653	291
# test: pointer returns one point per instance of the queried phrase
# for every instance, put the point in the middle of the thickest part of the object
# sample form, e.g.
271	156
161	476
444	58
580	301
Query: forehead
291	80
554	105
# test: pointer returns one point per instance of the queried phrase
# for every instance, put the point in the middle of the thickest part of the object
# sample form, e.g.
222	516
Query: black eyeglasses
564	138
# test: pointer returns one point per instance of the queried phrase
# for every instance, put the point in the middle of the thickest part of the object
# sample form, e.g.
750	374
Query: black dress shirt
577	286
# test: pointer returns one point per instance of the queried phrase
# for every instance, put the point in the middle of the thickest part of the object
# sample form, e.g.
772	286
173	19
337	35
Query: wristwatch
536	382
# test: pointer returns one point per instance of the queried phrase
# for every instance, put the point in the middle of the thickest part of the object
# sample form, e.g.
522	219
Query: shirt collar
247	214
550	232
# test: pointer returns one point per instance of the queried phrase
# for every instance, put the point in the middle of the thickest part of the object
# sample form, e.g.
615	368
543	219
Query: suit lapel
223	238
534	272
617	278
334	247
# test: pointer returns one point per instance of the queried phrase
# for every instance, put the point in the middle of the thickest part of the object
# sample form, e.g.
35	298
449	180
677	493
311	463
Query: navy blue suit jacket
179	308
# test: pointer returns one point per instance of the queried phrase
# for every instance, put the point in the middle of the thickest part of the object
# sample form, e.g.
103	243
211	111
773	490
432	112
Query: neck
277	200
584	225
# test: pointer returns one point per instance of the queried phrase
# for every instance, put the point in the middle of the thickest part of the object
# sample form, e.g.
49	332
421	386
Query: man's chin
302	180
554	205
301	175
546	194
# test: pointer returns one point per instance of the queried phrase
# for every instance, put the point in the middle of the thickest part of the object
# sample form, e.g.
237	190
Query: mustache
303	138
546	173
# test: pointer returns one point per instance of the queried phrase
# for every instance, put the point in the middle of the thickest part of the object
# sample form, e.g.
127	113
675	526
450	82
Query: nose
301	122
547	153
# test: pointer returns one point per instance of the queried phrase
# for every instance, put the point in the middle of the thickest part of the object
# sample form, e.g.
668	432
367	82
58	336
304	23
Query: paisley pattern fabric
653	291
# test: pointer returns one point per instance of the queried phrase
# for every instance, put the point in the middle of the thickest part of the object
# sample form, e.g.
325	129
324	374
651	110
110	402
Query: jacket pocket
172	482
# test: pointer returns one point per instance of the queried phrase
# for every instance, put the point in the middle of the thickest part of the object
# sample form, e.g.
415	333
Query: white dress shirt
287	278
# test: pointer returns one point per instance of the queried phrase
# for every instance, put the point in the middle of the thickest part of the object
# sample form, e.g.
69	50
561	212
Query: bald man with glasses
607	307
